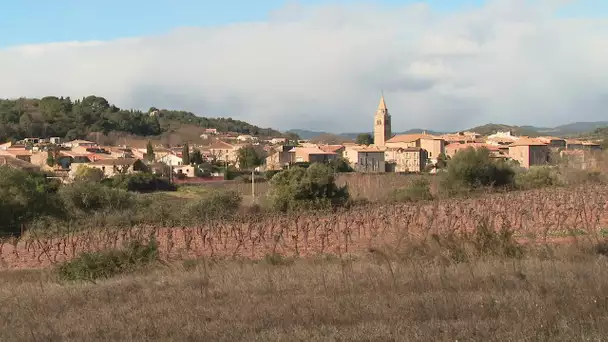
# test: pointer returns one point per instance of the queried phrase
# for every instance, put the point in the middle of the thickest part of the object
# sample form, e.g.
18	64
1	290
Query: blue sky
42	21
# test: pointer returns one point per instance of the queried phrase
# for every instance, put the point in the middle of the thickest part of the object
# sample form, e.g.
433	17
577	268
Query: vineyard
546	215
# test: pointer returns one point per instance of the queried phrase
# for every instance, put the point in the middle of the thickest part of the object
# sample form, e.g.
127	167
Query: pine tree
186	155
150	152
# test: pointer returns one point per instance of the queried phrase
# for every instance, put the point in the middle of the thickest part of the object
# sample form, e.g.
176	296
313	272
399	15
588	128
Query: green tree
150	152
186	154
304	189
248	157
472	168
197	157
25	197
442	161
341	165
365	139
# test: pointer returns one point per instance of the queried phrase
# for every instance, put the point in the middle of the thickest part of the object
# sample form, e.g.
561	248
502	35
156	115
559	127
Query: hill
62	117
516	130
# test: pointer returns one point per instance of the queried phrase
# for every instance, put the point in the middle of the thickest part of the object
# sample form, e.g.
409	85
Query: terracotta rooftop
411	137
17	163
331	148
117	161
529	142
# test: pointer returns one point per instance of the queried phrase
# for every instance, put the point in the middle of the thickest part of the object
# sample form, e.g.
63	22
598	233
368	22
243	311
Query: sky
318	65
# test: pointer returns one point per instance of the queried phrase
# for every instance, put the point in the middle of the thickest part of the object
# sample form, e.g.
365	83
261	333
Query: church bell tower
382	124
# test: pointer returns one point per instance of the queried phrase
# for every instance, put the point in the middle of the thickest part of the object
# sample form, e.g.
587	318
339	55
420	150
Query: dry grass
562	298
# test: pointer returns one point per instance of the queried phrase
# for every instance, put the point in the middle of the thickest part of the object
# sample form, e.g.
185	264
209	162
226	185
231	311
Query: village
406	153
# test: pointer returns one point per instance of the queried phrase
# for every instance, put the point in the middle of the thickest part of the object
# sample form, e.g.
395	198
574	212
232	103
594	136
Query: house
18	152
530	152
244	138
184	171
276	141
553	142
171	159
112	167
16	163
338	149
77	143
55	140
211	131
279	158
409	159
432	144
461	138
366	159
223	151
120	152
311	155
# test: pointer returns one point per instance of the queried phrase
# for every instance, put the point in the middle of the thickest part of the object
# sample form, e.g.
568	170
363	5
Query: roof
16	152
78	141
331	148
220	145
411	137
310	150
382	104
17	163
118	161
457	147
528	142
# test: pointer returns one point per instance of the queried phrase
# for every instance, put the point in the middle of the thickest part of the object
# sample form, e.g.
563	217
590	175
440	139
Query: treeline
72	119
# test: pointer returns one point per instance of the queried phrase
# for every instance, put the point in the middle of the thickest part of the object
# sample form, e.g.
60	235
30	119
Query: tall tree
186	154
150	152
196	157
365	139
249	157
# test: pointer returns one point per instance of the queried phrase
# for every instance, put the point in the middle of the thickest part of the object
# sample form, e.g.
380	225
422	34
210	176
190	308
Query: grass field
556	296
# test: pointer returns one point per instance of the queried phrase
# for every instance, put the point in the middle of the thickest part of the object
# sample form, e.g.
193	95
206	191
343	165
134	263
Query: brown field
541	215
370	273
561	296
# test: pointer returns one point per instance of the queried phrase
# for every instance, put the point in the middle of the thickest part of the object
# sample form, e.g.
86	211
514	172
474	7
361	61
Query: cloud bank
323	68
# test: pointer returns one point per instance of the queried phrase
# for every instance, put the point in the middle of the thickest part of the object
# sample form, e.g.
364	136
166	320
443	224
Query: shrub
89	197
213	204
473	168
537	177
106	264
302	189
140	182
420	189
25	197
88	174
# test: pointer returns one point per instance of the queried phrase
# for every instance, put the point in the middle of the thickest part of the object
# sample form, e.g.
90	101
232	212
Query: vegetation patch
105	264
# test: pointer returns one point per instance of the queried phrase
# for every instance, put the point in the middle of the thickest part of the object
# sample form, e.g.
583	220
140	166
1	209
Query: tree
186	154
197	157
150	152
304	189
25	197
248	157
365	139
442	161
473	168
341	165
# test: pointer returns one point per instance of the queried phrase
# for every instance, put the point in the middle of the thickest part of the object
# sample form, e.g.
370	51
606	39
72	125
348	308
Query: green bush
473	168
25	197
213	204
303	189
140	182
537	177
89	197
419	190
106	264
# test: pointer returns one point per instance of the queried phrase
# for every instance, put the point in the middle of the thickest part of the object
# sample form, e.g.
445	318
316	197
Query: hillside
516	130
62	117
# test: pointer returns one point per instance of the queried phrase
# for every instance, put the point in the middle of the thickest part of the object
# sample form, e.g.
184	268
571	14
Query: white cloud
324	67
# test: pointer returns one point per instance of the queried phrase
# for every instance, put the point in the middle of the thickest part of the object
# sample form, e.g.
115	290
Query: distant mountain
571	129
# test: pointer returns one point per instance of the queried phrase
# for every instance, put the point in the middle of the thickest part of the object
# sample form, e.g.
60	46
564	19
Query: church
405	152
